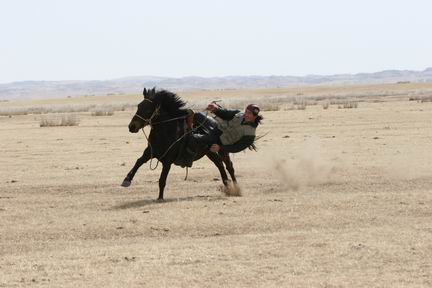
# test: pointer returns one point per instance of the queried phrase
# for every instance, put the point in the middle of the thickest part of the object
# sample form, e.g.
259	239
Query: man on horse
235	130
170	142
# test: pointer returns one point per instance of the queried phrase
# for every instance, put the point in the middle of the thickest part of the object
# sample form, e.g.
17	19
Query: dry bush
348	105
336	101
270	106
426	99
45	122
124	107
13	112
101	112
65	120
287	102
415	98
343	99
299	101
266	104
421	99
65	109
301	106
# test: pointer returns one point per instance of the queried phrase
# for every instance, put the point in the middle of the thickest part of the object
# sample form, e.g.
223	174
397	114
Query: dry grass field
333	198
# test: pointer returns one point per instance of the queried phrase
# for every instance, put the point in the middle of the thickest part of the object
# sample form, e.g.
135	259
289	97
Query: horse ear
150	94
145	92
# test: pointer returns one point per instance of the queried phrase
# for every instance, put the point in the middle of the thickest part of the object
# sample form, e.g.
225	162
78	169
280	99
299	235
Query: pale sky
106	39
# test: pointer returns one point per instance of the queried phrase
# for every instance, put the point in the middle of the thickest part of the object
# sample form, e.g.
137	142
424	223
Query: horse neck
164	117
165	133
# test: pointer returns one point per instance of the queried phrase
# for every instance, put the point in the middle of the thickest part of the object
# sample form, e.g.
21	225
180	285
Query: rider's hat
254	109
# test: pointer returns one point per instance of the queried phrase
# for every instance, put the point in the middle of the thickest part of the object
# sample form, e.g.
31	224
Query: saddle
189	150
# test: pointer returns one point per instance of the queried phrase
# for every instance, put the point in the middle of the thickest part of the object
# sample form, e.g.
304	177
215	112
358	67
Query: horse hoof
232	190
126	183
160	200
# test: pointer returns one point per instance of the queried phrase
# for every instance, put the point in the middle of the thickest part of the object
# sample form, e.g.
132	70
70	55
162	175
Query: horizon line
207	77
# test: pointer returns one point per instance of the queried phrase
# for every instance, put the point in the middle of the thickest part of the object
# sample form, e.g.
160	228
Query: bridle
154	114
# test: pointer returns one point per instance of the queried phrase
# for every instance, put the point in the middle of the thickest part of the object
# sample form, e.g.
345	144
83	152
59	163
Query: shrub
348	105
101	112
65	120
426	99
301	106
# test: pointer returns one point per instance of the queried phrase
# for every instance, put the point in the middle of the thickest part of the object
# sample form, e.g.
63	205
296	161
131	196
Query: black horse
163	111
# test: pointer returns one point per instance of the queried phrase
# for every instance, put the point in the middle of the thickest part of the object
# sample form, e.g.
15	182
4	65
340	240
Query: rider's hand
215	148
211	107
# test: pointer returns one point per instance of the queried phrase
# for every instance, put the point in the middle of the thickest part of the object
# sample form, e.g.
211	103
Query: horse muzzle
133	128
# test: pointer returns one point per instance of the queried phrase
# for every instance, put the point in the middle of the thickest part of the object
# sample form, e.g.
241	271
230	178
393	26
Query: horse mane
168	101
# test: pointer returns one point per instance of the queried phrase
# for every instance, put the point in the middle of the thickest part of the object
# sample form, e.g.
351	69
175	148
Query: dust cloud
307	168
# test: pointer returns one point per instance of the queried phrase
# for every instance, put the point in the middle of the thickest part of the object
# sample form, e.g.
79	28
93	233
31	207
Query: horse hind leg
234	189
229	166
216	159
140	161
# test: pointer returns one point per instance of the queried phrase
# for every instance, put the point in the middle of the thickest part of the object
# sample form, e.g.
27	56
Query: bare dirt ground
333	198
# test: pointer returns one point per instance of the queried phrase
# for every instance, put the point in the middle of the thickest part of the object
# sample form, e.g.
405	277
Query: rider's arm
225	114
238	146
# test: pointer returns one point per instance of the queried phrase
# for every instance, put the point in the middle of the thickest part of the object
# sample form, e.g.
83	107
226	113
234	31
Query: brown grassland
333	198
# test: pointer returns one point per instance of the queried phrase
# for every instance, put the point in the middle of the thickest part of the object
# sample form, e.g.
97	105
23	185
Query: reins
149	121
160	122
166	152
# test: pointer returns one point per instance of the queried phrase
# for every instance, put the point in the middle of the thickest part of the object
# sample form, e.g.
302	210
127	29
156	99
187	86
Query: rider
235	130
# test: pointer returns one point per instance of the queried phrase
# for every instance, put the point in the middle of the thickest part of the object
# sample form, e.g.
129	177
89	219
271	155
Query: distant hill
51	89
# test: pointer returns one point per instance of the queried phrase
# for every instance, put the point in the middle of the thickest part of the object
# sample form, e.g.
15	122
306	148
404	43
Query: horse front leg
162	179
143	159
216	159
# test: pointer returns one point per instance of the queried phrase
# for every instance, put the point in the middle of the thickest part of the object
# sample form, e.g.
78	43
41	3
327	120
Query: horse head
146	111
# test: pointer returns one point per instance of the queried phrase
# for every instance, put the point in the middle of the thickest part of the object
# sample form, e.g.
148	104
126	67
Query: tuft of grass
65	120
421	99
270	106
348	105
66	109
426	99
102	112
301	106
